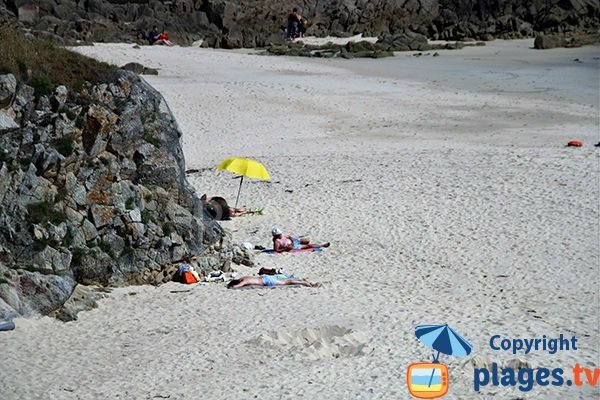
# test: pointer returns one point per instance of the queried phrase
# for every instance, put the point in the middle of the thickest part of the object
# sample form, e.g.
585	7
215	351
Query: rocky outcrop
553	41
93	192
139	69
385	46
233	24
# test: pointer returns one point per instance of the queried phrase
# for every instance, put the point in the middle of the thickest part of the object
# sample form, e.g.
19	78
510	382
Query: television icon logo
430	380
427	380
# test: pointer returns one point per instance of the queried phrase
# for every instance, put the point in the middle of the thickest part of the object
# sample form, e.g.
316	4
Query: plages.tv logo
430	380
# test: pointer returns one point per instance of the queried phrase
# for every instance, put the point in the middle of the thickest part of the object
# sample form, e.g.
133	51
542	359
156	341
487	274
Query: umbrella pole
239	190
435	360
431	378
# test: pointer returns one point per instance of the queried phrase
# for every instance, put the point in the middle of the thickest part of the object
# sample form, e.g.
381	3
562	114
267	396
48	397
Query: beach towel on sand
248	212
268	287
309	250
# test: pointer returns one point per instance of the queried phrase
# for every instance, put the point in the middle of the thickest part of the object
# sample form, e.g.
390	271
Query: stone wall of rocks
93	191
384	47
234	24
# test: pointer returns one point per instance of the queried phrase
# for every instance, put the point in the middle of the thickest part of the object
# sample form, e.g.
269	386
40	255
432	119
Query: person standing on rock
294	21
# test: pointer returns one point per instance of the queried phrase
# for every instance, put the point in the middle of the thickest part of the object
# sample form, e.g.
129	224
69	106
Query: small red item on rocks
575	143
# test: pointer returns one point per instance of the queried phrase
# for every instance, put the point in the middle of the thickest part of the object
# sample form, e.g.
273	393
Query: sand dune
448	194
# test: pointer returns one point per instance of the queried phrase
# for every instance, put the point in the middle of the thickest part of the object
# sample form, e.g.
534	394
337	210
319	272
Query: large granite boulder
93	191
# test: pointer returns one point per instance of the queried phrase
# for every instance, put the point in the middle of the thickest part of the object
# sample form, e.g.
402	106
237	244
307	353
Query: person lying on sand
219	209
267	280
285	242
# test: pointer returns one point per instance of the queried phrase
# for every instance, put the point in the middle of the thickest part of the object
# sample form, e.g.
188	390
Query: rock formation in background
234	24
93	192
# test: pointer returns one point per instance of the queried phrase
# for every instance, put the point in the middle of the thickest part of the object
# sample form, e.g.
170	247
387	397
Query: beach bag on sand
187	274
189	278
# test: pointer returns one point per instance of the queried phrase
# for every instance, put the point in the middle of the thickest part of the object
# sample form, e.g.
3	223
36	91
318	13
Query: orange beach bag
188	277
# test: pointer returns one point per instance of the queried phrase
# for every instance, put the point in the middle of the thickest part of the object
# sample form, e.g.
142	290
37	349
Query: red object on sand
189	278
575	143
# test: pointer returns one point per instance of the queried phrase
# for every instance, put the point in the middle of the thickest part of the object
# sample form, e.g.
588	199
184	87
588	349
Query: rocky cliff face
234	24
93	191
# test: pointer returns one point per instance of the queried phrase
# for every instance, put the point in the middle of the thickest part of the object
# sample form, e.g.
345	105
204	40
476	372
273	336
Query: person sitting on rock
157	38
267	280
284	242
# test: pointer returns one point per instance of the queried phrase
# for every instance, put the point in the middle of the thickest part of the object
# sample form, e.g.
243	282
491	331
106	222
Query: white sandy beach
448	193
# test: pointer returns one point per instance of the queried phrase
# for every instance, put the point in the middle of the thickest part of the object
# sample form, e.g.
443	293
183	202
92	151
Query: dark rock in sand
553	41
139	69
404	41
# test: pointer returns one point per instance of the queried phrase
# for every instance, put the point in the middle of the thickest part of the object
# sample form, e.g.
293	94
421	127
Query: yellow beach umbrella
244	167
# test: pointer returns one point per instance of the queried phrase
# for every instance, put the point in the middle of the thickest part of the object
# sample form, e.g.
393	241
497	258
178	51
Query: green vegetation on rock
43	64
64	146
78	254
44	212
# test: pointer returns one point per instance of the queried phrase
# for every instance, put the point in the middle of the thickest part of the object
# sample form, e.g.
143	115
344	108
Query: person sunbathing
267	280
240	212
284	242
218	208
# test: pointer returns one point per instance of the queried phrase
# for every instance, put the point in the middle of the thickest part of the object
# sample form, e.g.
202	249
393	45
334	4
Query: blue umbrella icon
443	339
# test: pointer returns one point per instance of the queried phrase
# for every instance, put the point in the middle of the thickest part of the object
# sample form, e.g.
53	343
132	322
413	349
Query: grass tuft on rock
43	212
64	145
43	64
78	255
